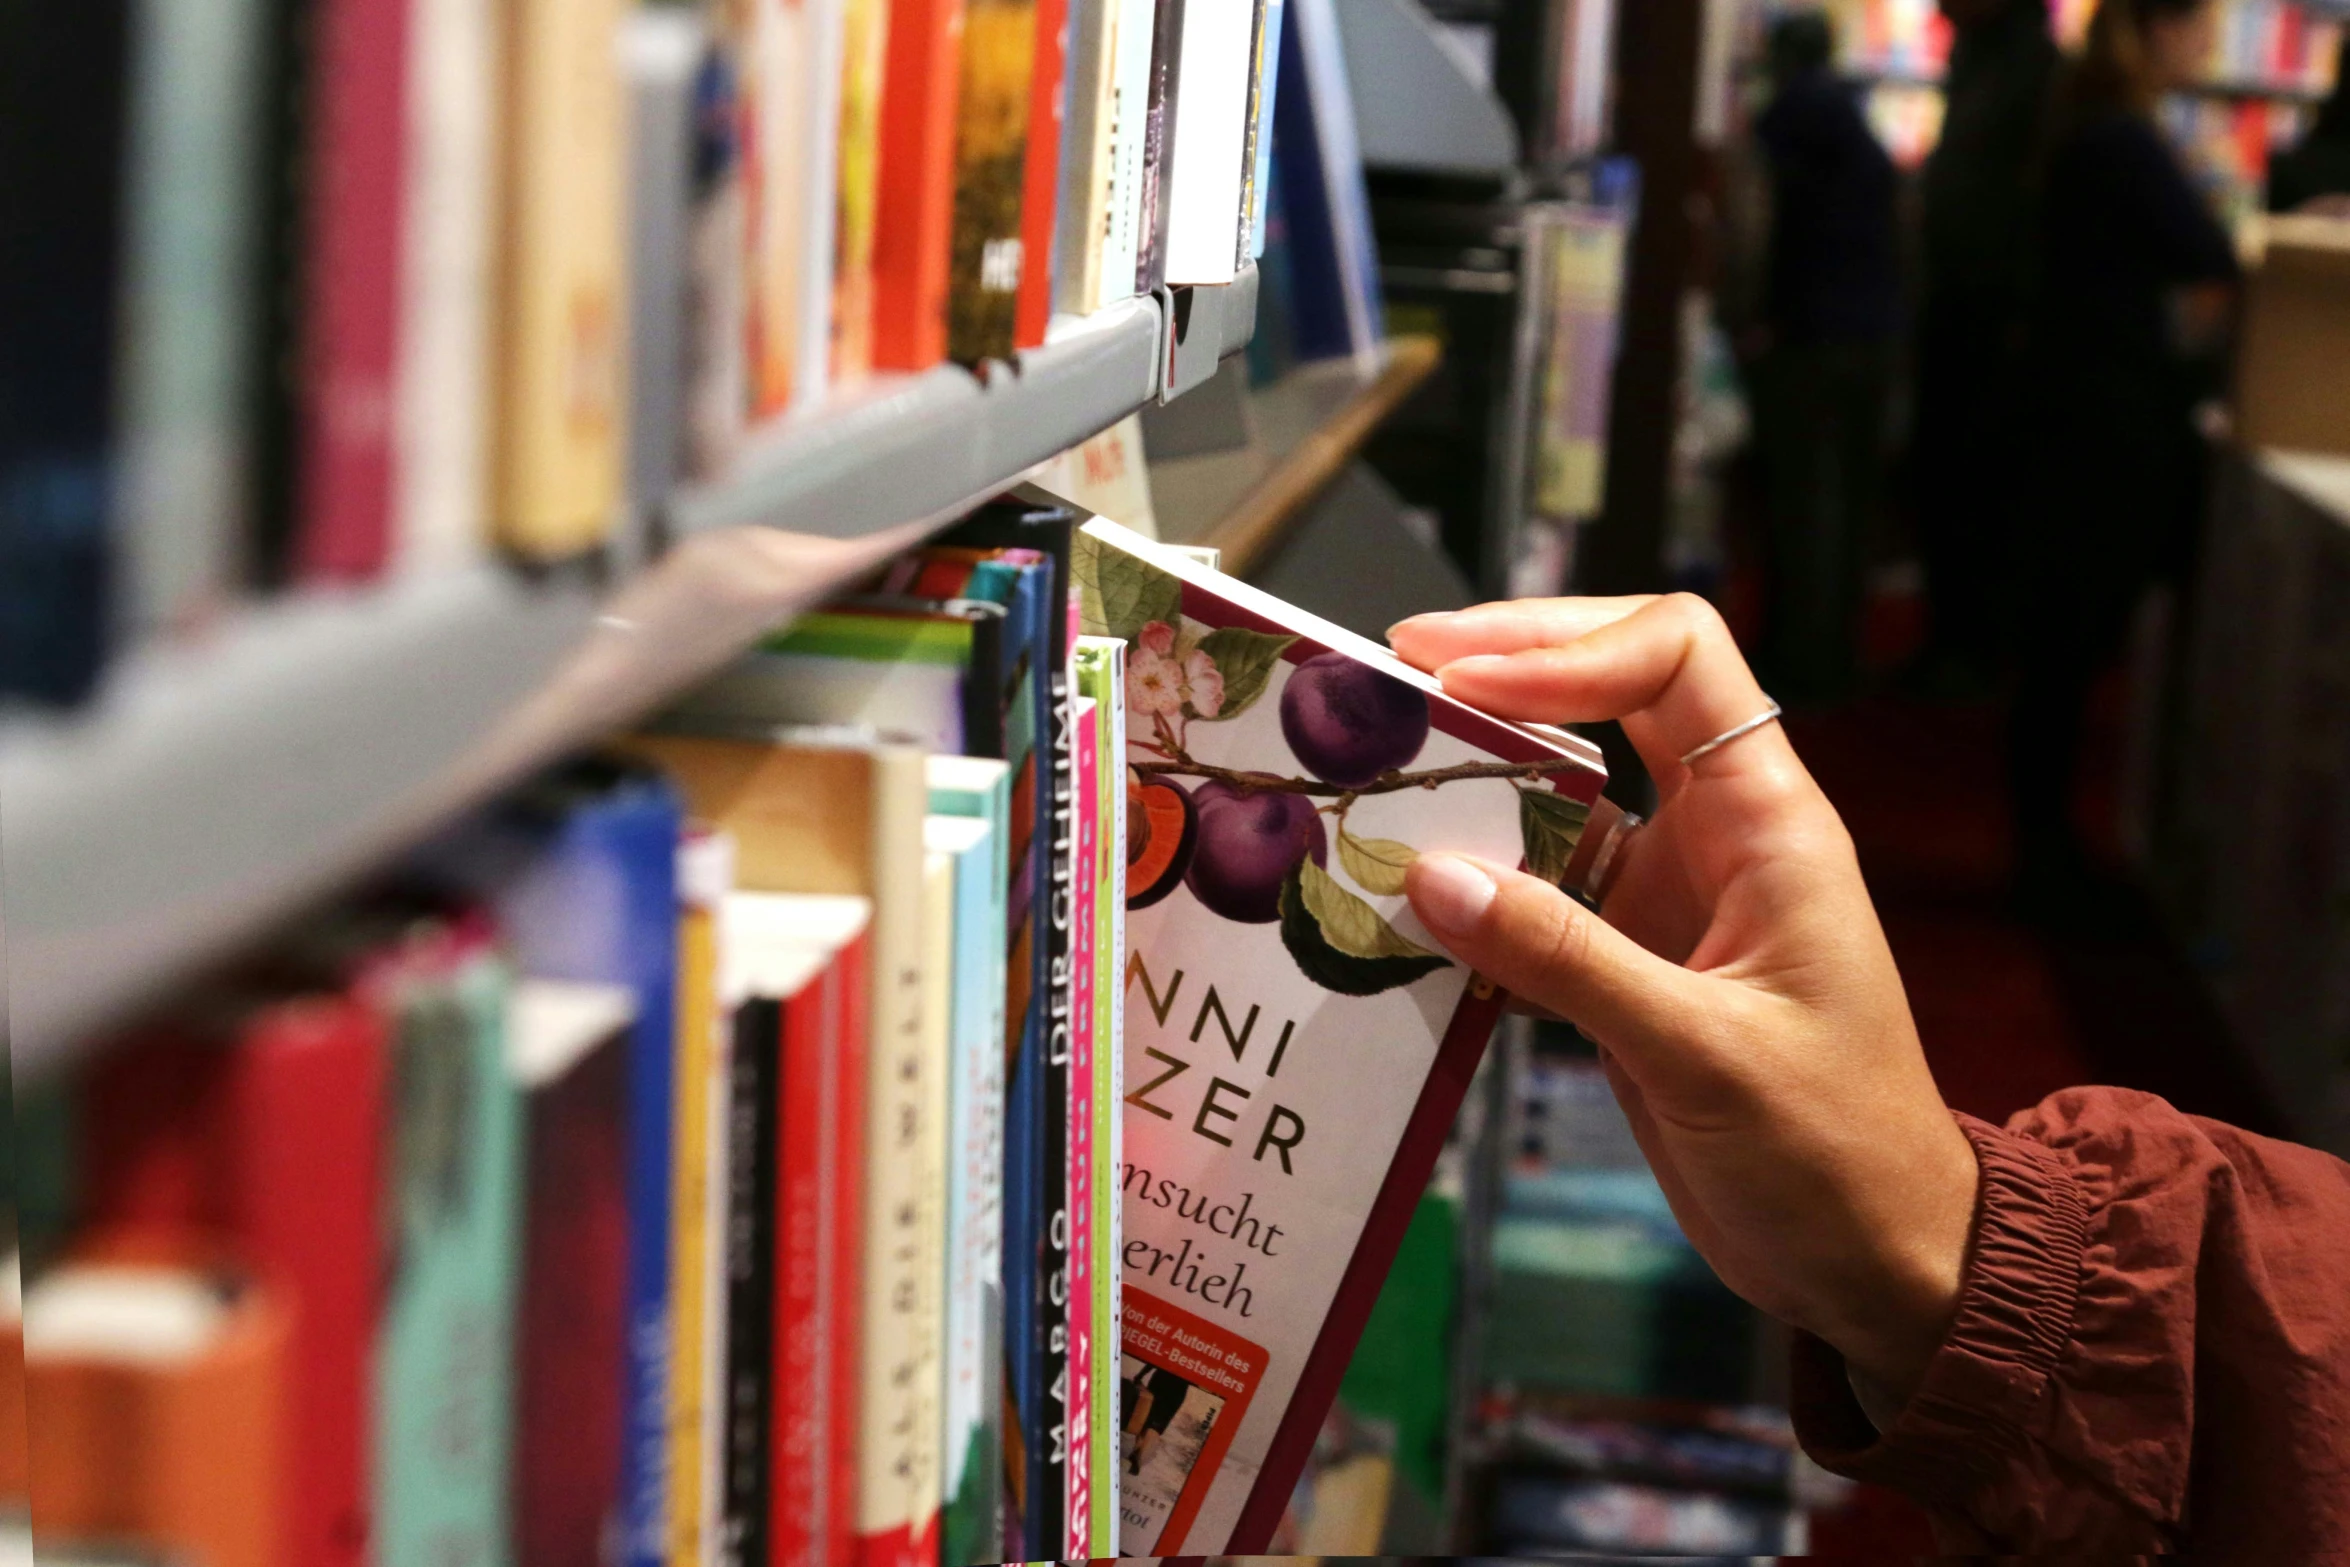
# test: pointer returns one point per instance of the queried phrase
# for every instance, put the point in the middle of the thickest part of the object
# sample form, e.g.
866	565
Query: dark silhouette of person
2137	284
1973	323
1831	308
2317	166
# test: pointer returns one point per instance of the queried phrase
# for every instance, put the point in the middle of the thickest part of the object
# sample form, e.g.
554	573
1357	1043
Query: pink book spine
1082	1262
352	248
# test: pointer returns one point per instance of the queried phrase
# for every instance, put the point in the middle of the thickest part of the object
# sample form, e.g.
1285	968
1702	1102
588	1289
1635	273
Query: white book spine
1129	105
440	484
820	100
1210	139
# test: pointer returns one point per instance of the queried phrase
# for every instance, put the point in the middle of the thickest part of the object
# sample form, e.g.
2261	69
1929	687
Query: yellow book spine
563	322
704	874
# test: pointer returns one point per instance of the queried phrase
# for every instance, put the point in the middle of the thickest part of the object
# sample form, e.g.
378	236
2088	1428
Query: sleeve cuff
1970	1415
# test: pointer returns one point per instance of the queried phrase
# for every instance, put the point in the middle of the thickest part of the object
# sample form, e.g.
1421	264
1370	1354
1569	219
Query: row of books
323	292
948	1091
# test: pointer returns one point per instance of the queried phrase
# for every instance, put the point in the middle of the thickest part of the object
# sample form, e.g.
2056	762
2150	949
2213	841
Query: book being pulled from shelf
1297	1046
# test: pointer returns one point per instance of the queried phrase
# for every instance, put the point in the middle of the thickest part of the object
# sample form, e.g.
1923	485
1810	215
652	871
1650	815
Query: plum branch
1389	782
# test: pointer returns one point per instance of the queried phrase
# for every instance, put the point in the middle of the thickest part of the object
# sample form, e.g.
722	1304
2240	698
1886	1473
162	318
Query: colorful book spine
972	1482
865	27
358	156
1264	93
705	874
1101	676
1087	175
561	405
914	221
1085	1263
991	141
445	1353
784	181
1040	179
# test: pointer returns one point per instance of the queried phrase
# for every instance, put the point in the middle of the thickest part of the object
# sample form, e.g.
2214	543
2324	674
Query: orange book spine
1040	183
913	238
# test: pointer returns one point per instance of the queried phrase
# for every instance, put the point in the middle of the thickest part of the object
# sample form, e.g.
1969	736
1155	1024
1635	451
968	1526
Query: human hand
1746	1007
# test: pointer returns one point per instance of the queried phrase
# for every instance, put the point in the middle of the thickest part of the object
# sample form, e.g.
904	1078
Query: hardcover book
1040	176
1209	141
1296	1044
914	223
991	151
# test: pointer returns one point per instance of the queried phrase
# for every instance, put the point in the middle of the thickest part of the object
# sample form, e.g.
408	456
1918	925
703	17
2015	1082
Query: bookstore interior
618	626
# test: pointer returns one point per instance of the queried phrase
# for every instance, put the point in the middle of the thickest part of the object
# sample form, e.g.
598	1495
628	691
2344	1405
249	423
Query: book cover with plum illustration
1296	1045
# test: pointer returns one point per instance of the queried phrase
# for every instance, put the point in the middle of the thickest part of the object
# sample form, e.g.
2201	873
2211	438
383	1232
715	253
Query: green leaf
1118	594
1245	659
1304	933
1551	825
1351	925
1376	864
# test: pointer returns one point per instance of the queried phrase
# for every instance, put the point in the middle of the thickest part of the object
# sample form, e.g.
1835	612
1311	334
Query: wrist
1897	1316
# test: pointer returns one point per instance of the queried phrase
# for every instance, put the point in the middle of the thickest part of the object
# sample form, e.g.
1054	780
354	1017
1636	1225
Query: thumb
1541	945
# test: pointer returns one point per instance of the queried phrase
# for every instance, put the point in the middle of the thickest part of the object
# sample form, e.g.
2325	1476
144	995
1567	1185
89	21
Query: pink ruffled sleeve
2151	1351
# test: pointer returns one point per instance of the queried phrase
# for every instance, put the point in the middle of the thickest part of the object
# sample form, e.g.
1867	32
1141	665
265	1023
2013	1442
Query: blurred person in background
1820	359
1973	324
2136	290
2315	172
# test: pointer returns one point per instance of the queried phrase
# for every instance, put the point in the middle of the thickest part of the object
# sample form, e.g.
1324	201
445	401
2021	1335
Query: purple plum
1349	722
1249	842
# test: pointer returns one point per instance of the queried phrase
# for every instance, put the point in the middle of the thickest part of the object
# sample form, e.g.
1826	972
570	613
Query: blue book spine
1317	283
1268	96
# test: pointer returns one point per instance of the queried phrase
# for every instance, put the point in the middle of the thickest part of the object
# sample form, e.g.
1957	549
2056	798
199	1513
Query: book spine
1123	214
560	426
647	827
991	139
1158	145
914	220
440	487
704	877
193	220
802	1492
718	370
778	161
1049	1467
1084	1151
847	1069
1107	686
820	93
972	1489
1041	174
445	1354
864	57
749	1250
898	1432
665	48
1081	222
358	154
1209	134
1257	162
305	1131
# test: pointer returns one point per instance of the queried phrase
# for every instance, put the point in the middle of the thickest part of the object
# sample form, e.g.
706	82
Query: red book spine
820	1120
303	1143
846	1012
914	224
351	289
1040	182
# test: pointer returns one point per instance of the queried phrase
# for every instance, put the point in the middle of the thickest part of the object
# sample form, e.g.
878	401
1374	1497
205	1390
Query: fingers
1507	626
1667	667
1543	947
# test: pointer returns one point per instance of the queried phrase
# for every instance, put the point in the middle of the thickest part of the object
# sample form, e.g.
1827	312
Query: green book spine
445	1356
1101	675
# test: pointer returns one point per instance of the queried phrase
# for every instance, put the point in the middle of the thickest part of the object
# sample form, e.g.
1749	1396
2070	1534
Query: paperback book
1296	1045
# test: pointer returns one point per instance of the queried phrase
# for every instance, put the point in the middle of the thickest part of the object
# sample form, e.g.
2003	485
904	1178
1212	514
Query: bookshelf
217	785
1308	426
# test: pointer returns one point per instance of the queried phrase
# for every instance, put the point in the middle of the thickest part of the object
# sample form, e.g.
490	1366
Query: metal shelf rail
217	786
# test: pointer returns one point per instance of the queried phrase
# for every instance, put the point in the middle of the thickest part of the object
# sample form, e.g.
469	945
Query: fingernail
1413	620
1451	894
1476	663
